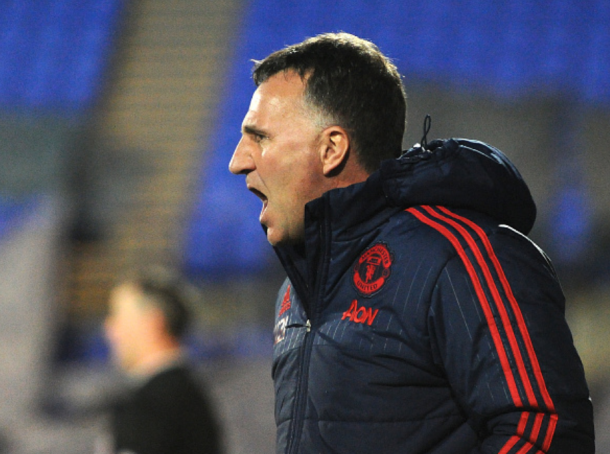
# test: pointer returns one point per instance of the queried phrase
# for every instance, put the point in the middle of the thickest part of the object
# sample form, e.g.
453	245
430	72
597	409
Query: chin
275	239
284	241
274	242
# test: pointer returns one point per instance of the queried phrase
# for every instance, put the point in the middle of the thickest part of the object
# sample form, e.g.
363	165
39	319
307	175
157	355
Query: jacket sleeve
498	330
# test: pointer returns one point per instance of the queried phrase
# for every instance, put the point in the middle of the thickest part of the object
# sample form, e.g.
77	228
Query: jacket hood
460	173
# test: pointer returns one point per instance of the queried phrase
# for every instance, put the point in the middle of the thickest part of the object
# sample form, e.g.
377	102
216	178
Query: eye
258	137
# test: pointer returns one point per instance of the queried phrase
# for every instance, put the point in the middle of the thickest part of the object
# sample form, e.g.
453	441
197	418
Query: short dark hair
350	81
167	291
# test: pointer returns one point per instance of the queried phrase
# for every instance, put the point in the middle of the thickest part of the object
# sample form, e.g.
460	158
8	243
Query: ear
334	149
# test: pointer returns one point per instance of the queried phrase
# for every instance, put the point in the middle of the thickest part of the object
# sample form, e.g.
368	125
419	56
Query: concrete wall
29	257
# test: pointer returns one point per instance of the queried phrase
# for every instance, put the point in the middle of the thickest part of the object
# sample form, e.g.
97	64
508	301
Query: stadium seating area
53	53
53	58
510	50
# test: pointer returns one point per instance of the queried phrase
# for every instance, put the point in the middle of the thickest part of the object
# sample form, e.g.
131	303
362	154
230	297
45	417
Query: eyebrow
248	129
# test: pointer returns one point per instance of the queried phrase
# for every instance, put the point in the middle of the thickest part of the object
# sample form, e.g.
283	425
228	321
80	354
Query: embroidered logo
285	302
360	314
372	269
279	332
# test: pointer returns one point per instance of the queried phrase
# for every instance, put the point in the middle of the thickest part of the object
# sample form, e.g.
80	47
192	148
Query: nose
241	161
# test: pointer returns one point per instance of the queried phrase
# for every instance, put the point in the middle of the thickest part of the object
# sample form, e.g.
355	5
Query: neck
156	360
352	173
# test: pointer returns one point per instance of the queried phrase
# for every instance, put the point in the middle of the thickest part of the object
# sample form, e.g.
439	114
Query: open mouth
258	194
263	198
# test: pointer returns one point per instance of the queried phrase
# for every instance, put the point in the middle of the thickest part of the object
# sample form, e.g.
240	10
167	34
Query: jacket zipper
298	420
301	393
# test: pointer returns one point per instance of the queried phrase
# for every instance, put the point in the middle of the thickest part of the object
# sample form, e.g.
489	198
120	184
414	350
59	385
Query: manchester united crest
372	269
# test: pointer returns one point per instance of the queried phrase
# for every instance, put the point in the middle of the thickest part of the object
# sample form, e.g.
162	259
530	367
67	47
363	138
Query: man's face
279	154
127	326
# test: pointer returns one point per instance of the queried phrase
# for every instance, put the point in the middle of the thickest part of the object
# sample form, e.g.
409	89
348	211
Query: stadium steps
159	107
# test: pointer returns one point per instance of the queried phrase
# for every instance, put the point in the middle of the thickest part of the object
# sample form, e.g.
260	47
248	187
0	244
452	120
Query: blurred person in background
417	317
166	410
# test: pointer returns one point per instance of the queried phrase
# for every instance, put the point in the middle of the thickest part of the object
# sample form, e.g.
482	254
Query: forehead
280	95
125	298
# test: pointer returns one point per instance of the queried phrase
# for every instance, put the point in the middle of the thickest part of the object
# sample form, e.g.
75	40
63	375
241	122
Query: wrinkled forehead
280	98
280	90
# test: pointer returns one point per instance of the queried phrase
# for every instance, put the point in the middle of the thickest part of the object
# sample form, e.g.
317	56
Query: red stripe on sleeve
550	431
527	447
515	438
536	428
523	330
509	444
506	323
508	326
517	311
495	334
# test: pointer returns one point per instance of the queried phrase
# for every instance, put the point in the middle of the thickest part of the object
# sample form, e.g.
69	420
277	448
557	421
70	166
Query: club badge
372	269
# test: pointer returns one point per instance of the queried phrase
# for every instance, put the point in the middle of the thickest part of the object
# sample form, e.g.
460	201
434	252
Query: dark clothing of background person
168	414
418	318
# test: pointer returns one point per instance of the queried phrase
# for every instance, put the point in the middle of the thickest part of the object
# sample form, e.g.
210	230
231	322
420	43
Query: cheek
120	332
292	176
111	329
307	183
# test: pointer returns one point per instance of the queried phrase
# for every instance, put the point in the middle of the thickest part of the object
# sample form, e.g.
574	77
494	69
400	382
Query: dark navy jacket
418	318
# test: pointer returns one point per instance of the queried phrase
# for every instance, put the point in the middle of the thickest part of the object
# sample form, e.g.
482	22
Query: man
416	317
166	412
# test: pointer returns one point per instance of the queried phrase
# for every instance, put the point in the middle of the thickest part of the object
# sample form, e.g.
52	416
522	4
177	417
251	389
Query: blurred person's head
324	115
148	316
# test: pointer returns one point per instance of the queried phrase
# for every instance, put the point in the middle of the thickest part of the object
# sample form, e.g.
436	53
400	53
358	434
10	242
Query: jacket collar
460	173
457	173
